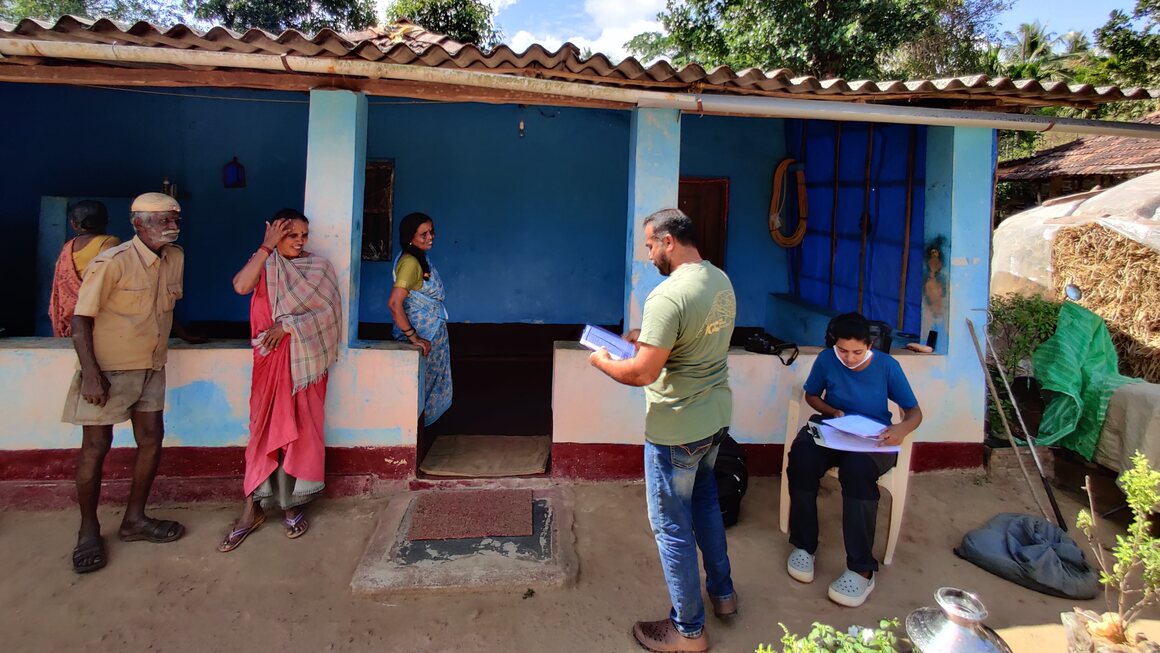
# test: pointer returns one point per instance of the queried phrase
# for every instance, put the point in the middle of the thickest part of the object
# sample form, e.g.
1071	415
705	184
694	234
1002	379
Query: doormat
487	456
392	564
453	515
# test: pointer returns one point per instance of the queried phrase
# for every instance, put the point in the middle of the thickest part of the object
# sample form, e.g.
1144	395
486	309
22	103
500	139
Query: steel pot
956	626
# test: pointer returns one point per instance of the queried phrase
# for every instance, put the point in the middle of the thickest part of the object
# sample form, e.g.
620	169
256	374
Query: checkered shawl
305	300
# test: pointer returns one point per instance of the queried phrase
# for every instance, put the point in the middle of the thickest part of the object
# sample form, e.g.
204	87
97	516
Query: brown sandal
235	537
297	525
663	637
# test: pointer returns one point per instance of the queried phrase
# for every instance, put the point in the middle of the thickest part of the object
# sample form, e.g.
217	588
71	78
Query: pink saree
66	283
285	425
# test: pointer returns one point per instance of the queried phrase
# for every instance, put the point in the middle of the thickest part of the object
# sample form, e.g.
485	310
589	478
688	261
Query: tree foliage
276	16
827	38
1133	53
466	21
952	43
157	12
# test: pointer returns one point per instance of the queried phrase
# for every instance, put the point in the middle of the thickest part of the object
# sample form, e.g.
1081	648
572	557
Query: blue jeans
685	514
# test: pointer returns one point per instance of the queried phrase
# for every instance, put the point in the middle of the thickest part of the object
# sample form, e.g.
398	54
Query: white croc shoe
851	589
800	566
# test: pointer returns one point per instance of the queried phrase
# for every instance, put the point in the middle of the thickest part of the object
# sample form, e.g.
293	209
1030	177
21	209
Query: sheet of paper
594	338
834	439
856	425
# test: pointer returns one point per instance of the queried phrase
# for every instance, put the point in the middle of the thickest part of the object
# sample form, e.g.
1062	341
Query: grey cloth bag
1032	552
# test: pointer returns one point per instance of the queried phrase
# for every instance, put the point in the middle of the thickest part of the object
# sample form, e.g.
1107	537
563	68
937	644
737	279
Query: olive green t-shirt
691	313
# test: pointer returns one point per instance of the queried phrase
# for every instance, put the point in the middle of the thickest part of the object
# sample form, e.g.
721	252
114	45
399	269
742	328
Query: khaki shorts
130	391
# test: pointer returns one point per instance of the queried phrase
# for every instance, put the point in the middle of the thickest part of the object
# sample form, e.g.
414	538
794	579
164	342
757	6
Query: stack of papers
856	425
853	433
618	348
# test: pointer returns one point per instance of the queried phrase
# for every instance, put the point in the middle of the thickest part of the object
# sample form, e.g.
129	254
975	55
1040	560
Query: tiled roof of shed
409	44
1092	155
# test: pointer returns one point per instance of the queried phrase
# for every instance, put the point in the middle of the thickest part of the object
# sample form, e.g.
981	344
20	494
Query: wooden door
706	201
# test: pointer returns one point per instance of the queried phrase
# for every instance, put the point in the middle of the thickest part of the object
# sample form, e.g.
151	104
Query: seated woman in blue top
850	379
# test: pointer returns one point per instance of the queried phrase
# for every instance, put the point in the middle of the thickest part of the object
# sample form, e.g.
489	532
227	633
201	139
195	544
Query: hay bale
1120	279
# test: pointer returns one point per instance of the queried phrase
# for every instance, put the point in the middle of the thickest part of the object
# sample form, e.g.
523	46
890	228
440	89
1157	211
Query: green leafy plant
1018	326
827	639
1132	568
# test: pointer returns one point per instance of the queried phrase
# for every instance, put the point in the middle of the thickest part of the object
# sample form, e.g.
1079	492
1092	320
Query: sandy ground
276	594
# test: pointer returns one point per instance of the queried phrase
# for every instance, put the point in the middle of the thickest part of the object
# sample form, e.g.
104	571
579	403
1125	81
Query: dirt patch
276	594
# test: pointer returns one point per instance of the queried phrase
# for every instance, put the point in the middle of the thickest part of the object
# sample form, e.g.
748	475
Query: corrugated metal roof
1093	155
409	44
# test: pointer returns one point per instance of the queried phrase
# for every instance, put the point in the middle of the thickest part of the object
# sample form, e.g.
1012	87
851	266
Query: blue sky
604	25
1064	15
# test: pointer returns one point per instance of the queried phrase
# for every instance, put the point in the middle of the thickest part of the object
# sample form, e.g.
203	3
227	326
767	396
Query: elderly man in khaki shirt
121	331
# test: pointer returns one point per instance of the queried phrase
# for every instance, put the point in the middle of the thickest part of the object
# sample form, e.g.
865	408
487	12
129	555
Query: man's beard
664	265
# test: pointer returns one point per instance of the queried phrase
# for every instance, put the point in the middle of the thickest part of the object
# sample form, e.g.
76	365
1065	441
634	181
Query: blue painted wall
78	142
528	229
531	228
746	151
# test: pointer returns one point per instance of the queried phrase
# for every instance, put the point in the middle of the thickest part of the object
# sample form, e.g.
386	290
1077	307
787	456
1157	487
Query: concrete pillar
653	178
335	175
956	281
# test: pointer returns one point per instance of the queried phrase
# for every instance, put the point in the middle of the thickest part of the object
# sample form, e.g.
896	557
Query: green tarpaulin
1078	369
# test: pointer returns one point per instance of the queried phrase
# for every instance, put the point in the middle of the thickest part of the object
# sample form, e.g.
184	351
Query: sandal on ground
726	607
851	589
297	525
235	537
89	555
663	637
157	531
800	566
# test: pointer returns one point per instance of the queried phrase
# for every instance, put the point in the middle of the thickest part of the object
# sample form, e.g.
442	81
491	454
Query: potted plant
1018	325
1131	569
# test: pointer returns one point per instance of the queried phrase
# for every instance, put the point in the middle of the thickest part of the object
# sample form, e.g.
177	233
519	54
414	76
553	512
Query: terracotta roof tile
409	44
1093	155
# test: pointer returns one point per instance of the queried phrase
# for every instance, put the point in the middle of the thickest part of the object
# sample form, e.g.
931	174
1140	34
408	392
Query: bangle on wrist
263	248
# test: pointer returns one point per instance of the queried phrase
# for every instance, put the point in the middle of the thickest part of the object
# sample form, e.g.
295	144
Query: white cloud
615	22
523	39
612	13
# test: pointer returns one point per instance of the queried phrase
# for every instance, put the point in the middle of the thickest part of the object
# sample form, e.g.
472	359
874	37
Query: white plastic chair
894	481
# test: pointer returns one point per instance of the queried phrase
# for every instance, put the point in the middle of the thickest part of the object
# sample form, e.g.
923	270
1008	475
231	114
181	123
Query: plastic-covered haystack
1120	279
1108	244
1021	261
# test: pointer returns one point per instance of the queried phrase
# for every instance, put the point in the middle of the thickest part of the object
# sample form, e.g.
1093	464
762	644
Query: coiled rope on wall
777	203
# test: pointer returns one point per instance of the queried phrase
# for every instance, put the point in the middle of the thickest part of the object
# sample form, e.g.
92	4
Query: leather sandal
724	607
235	537
663	637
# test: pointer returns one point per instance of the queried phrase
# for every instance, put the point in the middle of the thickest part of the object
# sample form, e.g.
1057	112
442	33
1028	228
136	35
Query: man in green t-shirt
682	361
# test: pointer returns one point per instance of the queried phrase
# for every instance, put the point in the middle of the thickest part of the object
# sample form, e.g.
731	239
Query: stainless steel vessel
956	626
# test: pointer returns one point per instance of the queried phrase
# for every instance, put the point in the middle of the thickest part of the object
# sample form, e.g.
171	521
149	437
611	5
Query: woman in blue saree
416	305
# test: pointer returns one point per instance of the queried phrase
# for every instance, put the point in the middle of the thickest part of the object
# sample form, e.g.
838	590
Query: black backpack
732	479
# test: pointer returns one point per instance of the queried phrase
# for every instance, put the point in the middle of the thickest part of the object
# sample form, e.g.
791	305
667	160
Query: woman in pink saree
89	219
295	312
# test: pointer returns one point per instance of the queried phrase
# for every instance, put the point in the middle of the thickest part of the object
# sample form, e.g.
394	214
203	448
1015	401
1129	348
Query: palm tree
1029	53
1031	42
1075	43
